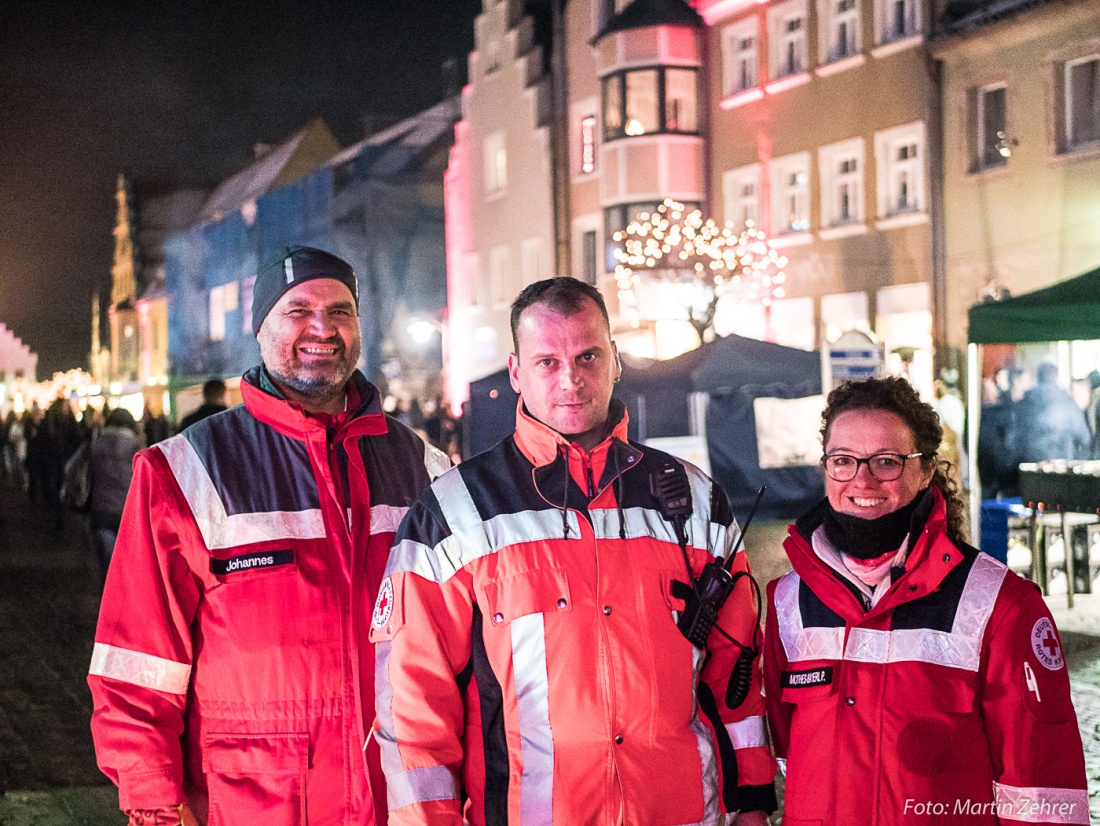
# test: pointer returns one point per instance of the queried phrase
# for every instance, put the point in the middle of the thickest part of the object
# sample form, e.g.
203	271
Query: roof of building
420	131
642	14
305	151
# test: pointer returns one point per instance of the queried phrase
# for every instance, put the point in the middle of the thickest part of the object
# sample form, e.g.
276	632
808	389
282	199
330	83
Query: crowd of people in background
1032	418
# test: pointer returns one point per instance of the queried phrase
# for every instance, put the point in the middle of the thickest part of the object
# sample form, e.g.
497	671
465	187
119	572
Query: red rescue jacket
231	667
529	665
946	703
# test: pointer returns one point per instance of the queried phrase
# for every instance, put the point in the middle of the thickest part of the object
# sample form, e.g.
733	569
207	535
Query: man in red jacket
232	679
530	667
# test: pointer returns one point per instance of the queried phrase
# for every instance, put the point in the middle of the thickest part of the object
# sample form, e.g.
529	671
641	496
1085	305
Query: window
787	22
588	144
496	164
741	193
533	261
589	256
896	20
644	101
739	58
991	144
500	276
790	184
1082	93
843	30
618	218
841	168
899	154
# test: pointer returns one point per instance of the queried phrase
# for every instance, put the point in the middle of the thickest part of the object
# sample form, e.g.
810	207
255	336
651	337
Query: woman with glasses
909	677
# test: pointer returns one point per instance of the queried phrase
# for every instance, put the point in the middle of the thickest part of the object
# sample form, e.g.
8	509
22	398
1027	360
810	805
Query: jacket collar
542	444
931	558
268	405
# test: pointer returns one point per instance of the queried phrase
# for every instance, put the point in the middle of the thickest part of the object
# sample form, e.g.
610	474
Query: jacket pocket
250	775
538	591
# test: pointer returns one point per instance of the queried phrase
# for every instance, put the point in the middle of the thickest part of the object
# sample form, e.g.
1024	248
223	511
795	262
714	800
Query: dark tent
734	371
1067	311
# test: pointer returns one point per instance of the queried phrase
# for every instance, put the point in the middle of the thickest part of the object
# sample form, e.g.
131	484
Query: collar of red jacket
264	401
542	444
931	558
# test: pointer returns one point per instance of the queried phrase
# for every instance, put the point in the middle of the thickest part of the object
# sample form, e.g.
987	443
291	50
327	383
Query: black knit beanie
294	266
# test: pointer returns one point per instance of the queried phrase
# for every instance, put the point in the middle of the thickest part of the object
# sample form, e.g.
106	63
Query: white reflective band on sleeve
139	669
1039	805
436	462
420	786
536	795
219	529
748	733
386	518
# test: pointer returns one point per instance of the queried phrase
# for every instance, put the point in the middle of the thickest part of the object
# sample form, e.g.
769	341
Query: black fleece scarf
869	538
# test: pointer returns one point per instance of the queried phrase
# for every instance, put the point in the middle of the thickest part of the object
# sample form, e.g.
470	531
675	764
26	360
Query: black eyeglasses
886	467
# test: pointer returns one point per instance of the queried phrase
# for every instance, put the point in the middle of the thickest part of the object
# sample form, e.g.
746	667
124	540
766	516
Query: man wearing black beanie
232	675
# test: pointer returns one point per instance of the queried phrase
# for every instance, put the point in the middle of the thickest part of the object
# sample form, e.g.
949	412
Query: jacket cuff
150	790
758	798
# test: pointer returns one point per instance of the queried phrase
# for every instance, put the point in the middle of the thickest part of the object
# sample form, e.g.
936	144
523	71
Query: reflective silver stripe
436	462
803	643
647	522
961	648
136	668
218	529
386	518
1033	804
443	561
536	802
748	733
387	742
420	786
704	740
782	761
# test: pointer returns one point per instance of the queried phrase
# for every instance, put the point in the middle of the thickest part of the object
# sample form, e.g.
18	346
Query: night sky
176	92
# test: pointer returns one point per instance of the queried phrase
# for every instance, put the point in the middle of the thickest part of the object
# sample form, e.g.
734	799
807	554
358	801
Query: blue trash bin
994	533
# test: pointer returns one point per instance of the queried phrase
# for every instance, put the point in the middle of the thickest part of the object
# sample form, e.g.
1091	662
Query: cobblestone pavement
49	595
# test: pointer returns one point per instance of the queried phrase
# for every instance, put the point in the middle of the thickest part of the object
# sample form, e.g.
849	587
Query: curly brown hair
896	395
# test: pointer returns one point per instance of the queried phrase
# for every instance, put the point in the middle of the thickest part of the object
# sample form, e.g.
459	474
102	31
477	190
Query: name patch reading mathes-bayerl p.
805	679
251	562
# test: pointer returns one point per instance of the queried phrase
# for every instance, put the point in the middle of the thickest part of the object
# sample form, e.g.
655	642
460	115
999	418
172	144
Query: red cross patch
1045	645
383	606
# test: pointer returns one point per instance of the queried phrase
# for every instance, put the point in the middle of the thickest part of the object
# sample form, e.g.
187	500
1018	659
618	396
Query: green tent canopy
1067	311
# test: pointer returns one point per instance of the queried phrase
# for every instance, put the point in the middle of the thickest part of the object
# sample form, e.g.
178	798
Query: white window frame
895	173
885	14
780	40
495	158
836	180
738	204
740	67
500	277
790	194
979	124
1067	102
533	261
217	313
830	19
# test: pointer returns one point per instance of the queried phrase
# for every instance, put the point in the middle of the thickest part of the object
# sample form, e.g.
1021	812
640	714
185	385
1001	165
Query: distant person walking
59	436
1051	425
112	468
214	395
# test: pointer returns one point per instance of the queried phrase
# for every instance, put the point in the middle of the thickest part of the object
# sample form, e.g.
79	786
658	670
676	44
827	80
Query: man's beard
318	386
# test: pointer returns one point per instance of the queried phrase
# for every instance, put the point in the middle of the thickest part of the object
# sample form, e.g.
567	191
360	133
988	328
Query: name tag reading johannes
251	562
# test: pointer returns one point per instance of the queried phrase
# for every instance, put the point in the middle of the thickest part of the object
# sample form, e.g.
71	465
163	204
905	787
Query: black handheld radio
707	594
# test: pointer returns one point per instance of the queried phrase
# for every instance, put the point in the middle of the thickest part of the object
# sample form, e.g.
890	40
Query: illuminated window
496	164
790	184
588	144
645	101
739	57
741	193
